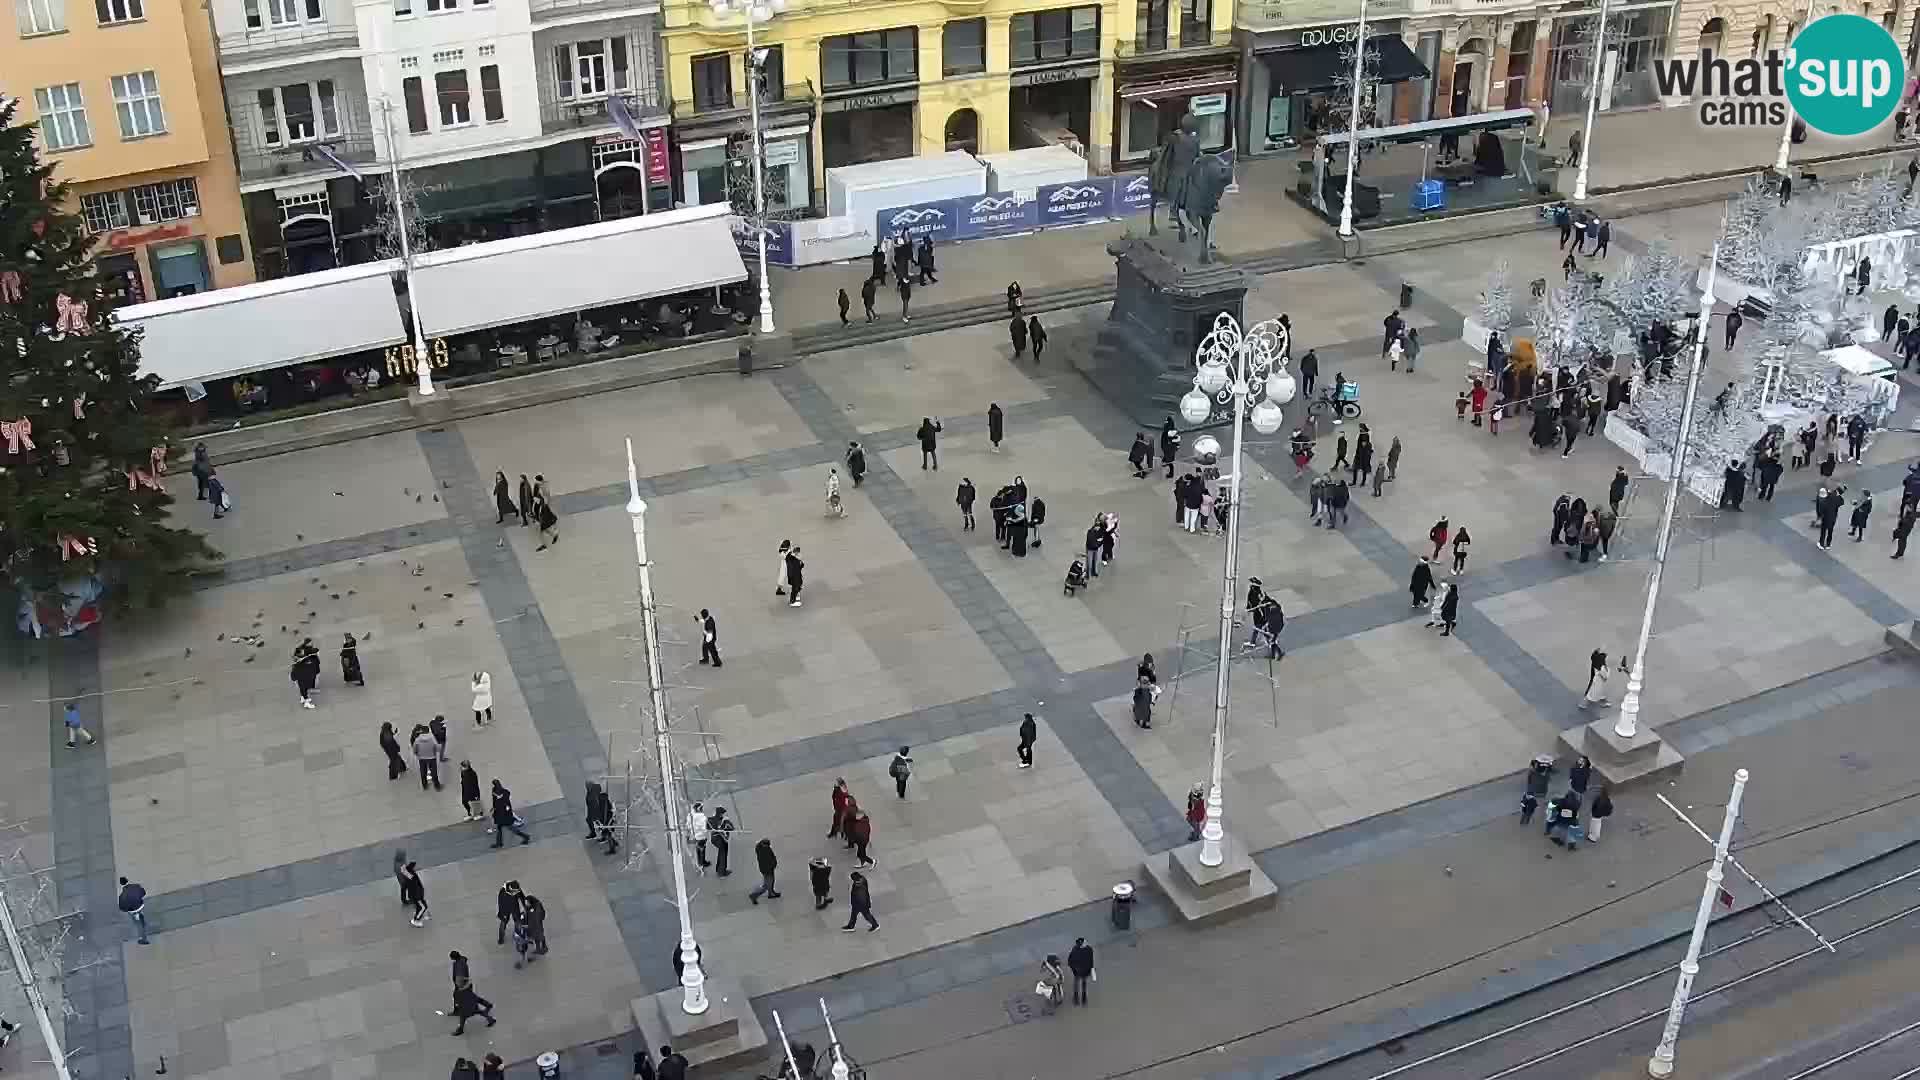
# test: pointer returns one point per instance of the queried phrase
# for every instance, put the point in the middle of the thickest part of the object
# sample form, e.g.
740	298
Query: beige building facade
127	97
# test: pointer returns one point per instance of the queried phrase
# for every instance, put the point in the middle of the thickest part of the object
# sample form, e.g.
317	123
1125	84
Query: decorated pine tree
1496	301
83	513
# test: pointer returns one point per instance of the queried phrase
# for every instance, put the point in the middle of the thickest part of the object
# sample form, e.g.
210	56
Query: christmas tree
82	508
1496	302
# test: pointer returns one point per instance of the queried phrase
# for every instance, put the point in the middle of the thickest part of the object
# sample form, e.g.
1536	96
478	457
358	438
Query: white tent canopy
553	273
268	324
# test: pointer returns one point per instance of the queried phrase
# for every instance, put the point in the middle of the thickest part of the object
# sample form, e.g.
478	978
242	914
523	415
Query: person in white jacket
482	687
697	832
835	508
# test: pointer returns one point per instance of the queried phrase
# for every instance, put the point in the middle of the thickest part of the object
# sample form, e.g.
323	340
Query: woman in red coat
1196	811
842	798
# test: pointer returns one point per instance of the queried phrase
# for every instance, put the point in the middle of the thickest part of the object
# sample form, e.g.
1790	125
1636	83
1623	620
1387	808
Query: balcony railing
560	117
542	10
291	43
302	159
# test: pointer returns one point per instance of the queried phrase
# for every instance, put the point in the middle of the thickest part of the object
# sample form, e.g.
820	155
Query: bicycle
1341	402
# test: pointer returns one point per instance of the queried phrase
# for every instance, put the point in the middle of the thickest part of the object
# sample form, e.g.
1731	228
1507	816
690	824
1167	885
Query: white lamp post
1236	368
1786	135
1593	102
841	1071
693	981
1346	200
1628	725
421	369
1661	1064
756	11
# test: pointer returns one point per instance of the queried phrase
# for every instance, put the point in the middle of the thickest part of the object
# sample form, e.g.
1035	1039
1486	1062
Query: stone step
1619	761
1208	894
1905	640
888	327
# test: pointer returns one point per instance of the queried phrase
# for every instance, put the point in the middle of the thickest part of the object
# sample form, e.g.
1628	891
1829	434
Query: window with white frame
147	204
298	112
292	12
589	69
305	204
450	88
63	117
136	98
118	11
40	16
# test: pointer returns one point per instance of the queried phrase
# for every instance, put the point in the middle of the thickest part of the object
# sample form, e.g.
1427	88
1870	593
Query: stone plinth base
1905	640
1620	761
437	409
728	1034
1204	894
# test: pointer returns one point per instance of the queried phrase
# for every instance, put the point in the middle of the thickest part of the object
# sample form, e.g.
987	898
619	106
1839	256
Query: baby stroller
1076	577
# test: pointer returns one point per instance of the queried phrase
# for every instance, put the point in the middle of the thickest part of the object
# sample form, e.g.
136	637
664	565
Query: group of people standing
1016	517
905	257
1563	824
1584	529
534	506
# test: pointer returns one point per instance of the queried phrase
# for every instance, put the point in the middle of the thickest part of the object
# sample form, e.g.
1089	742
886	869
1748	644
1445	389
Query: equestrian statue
1189	182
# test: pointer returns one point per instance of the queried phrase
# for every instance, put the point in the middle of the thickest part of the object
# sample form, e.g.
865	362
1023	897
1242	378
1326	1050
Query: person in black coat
1036	517
390	743
1309	371
963	498
1169	444
1080	962
503	499
1038	335
926	262
879	271
1001	505
1017	330
526	499
1139	453
856	462
504	818
1013	298
1029	731
996	425
929	436
1422	582
507	909
350	662
1450	610
869	292
906	299
673	1066
903	260
846	305
796	570
859	903
467	1003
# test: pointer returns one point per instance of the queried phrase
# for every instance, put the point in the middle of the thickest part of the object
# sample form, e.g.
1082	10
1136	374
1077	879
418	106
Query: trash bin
549	1065
1123	905
1406	295
746	356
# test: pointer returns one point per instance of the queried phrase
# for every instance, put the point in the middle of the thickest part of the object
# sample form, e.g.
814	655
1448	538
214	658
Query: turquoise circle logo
1844	74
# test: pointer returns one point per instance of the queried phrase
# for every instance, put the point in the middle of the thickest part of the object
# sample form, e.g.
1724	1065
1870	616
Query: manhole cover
1022	1007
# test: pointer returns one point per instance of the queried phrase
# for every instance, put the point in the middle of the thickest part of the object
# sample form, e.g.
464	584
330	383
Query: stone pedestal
1204	894
727	1035
1165	304
437	409
1905	640
1620	761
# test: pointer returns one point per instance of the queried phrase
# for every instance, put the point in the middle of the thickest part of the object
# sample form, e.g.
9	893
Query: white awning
266	325
554	273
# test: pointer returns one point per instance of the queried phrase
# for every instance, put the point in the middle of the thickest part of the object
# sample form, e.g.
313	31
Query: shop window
105	211
118	11
1150	22
590	68
40	16
882	56
712	82
1196	23
146	204
416	99
771	75
963	47
450	90
492	101
63	116
1044	37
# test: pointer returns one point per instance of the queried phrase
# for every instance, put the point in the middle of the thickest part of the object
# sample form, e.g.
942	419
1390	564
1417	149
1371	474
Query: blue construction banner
1076	201
779	241
982	216
940	220
1131	194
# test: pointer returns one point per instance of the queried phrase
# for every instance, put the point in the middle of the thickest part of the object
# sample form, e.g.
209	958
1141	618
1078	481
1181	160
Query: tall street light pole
693	980
421	369
1628	724
1661	1063
755	12
1353	154
1593	102
1235	369
1786	134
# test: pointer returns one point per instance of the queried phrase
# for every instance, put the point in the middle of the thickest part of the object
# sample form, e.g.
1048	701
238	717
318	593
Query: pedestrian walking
506	908
964	497
1605	522
600	817
1462	543
1411	347
878	269
709	639
468	1004
697	834
1169	444
133	903
901	768
835	508
217	496
846	304
202	471
504	819
437	727
1080	963
1140	455
390	743
1363	455
1449	609
856	462
869	292
1029	731
720	827
413	891
929	436
1422	582
1196	811
1734	322
305	671
459	965
1013	298
1142	702
1038	335
1903	528
1393	325
1857	522
503	499
1597	672
906	299
426	749
1438	536
350	672
70	717
796	575
996	425
533	919
1598	815
1017	330
859	834
524	499
549	524
768	862
926	262
481	686
859	903
470	804
841	798
820	878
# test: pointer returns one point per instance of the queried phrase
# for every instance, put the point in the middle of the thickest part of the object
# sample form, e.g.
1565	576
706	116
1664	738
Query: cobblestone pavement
266	833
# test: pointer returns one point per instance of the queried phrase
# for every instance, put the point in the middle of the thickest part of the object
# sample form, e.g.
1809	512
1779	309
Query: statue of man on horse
1190	182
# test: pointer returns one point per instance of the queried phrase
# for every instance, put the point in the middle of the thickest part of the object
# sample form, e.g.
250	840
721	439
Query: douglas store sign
976	217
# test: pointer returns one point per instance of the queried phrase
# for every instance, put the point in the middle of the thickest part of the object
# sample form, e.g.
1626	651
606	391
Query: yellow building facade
851	82
128	97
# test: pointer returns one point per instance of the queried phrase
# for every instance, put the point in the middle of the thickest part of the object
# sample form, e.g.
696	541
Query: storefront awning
532	277
1321	67
268	324
1176	85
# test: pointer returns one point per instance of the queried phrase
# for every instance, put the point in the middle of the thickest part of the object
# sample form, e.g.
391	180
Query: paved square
954	373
